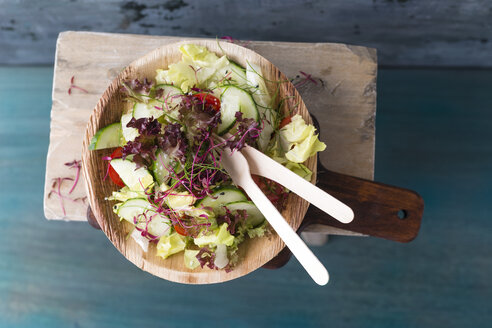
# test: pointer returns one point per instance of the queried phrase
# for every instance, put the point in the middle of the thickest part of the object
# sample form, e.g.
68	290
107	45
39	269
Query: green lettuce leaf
125	194
171	244
180	200
197	66
299	140
190	260
300	169
218	236
259	231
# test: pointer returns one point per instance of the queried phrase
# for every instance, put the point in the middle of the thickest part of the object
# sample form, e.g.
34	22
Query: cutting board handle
380	210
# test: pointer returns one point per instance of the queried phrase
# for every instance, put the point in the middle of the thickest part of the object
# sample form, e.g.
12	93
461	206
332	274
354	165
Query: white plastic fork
237	166
263	165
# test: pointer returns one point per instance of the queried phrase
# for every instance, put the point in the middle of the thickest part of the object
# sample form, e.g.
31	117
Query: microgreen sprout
73	86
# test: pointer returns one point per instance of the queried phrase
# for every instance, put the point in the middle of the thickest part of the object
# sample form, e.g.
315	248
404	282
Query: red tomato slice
117	153
285	121
179	229
209	100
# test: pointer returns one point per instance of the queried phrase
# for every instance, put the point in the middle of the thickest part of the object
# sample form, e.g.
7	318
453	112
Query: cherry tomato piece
117	153
179	229
209	100
285	121
115	177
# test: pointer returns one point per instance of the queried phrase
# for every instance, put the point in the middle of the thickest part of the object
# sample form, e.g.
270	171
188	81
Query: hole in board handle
402	214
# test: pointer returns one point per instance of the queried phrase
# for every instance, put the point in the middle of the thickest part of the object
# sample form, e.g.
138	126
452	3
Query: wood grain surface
409	33
433	136
380	210
253	253
343	99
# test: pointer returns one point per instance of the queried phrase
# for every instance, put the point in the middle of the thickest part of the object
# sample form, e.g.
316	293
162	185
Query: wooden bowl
253	253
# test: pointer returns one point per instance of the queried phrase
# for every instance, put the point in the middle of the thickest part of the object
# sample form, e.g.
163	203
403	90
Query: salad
167	158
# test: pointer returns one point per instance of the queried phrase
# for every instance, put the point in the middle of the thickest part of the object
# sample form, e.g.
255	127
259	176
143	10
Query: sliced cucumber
232	72
233	100
257	83
171	96
141	110
255	218
107	137
135	208
221	196
170	99
132	208
159	224
136	179
163	160
238	72
262	98
129	134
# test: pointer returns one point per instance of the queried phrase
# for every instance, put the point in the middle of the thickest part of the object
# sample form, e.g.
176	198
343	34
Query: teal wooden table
433	135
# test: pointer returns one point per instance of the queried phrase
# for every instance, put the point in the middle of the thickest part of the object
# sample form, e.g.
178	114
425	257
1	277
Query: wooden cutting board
340	90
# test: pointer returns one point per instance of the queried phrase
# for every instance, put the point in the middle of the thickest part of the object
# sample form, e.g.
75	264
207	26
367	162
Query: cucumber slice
163	160
159	225
129	134
141	110
107	137
132	208
232	100
238	73
255	218
262	98
136	179
221	196
257	83
171	96
234	73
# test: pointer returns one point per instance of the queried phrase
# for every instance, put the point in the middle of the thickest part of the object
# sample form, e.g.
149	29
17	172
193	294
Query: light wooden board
343	99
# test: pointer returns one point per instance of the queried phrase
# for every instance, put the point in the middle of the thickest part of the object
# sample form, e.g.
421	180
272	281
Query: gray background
406	33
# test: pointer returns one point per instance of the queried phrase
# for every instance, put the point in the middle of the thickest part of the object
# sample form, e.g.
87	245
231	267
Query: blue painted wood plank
440	33
433	135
